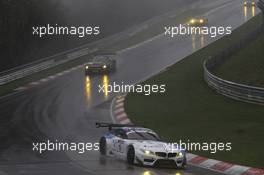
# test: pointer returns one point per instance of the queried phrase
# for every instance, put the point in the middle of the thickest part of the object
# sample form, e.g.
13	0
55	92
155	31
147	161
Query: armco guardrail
250	94
233	90
60	58
45	63
261	6
24	72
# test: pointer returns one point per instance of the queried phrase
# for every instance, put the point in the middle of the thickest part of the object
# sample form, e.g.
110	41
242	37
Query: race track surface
67	108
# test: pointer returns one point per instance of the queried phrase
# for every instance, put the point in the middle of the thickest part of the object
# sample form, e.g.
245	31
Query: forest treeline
17	17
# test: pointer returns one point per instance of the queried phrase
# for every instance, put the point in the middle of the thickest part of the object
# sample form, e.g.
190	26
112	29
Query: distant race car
198	22
101	64
138	145
249	3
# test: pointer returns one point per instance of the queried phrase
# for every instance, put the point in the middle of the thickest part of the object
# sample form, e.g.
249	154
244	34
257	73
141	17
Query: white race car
138	145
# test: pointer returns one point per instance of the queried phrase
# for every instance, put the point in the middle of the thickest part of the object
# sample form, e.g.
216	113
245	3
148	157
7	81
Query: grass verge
190	110
247	66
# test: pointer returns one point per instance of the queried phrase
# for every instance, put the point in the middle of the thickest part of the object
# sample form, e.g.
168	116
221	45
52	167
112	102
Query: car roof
136	129
103	57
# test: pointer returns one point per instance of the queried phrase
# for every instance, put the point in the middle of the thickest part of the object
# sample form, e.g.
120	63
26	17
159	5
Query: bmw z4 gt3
138	145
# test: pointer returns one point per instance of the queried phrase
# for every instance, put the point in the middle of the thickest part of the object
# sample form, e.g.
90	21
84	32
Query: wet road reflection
193	42
105	84
249	12
245	13
253	11
88	90
92	88
202	40
198	41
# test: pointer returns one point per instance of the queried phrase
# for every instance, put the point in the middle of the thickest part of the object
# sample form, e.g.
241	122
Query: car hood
96	64
156	146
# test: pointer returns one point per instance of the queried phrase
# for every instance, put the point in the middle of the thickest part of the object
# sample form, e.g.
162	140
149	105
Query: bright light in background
146	173
88	89
178	174
105	83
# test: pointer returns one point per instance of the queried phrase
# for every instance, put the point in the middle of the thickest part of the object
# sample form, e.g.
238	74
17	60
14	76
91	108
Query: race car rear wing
112	125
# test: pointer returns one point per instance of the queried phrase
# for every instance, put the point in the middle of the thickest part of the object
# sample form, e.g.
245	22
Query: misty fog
115	15
112	16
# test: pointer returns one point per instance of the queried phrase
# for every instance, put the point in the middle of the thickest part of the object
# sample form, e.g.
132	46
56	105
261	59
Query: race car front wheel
102	146
130	155
184	164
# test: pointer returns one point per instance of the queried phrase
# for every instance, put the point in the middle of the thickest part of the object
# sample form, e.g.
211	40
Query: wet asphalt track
67	108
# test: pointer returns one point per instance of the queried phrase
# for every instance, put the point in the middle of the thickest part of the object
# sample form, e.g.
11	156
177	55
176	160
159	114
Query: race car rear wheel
130	155
102	146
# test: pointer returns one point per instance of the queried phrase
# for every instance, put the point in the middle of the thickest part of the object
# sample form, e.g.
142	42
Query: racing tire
102	146
184	165
130	155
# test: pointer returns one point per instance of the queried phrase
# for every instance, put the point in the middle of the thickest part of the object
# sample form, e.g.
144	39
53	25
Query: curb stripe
119	105
123	115
190	156
126	121
209	163
44	80
198	160
120	100
195	160
236	169
120	113
60	74
21	88
222	166
122	118
119	110
254	171
34	83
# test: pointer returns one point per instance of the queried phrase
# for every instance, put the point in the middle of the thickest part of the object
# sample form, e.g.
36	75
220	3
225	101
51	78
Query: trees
16	21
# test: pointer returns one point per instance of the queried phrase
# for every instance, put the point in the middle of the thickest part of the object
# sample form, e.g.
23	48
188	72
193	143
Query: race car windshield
101	59
142	136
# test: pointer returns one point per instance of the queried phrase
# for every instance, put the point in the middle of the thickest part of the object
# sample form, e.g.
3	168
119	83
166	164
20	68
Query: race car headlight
104	66
192	21
180	154
147	152
86	67
201	21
